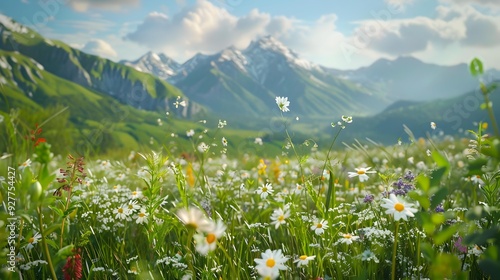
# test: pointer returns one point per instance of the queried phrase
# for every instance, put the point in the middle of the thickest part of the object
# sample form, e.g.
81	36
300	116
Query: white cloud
113	5
100	48
207	28
202	27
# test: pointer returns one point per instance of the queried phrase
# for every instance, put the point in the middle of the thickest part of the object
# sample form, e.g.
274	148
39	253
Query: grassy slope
96	120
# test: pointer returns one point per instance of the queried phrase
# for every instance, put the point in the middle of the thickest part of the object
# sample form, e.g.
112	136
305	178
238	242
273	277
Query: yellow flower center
281	218
270	262
361	172
131	206
319	225
303	257
347	236
399	207
264	189
115	187
142	215
211	238
31	240
120	210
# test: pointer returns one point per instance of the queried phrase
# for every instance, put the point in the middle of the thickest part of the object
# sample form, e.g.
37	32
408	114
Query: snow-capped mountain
245	83
159	65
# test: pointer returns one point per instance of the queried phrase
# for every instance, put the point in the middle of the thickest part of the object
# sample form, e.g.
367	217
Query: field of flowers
427	208
424	209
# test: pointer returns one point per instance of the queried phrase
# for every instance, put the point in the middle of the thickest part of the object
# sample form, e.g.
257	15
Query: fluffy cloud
207	28
465	26
114	5
100	48
202	27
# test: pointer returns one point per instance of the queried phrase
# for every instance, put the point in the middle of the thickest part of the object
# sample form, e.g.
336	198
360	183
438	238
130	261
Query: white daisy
283	103
399	208
194	218
319	226
33	240
304	260
265	190
361	173
279	217
208	242
271	263
141	217
348	238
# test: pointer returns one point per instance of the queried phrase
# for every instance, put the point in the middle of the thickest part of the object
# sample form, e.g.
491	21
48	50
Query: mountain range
244	82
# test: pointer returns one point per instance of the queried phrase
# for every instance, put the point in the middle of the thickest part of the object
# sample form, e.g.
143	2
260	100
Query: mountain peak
12	25
269	43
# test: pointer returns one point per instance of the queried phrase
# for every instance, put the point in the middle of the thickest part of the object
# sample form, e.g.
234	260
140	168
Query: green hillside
92	122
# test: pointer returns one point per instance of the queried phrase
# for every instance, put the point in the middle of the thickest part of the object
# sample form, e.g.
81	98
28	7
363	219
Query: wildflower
72	270
258	141
136	195
460	246
303	260
224	142
141	217
320	226
221	124
265	190
33	240
203	147
121	213
347	119
194	218
477	180
399	208
25	164
283	103
368	198
190	133
132	206
348	238
428	152
361	173
279	217
368	255
433	125
271	263
178	103
298	189
208	242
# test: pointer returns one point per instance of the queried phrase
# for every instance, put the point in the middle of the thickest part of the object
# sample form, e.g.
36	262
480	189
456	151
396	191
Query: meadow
425	208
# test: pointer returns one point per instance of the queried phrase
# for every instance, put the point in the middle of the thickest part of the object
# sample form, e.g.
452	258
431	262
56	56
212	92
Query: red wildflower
72	270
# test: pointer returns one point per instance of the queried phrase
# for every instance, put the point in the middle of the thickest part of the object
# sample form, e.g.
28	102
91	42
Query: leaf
440	160
481	238
52	228
436	176
331	190
58	211
475	166
445	235
424	183
438	197
427	250
476	67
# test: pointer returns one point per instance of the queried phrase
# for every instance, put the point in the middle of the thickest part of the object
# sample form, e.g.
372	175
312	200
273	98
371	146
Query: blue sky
339	34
